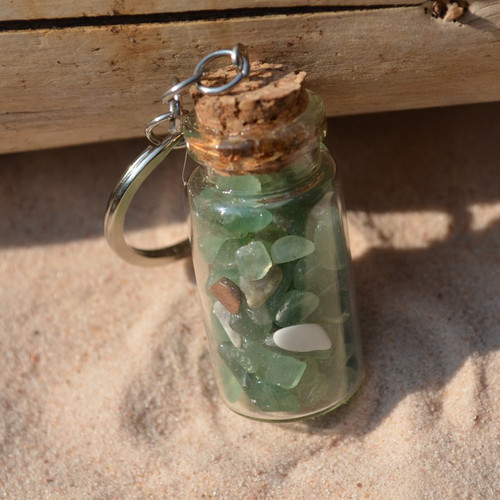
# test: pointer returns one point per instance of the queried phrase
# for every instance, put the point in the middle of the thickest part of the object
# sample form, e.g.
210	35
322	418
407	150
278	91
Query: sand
106	389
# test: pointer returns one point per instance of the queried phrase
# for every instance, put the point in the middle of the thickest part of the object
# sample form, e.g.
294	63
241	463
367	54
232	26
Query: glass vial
271	257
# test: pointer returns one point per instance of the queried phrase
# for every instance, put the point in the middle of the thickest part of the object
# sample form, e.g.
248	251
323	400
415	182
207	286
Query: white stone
302	338
223	315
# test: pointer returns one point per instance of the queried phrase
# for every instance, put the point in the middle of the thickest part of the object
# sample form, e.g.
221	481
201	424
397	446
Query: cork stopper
271	93
259	126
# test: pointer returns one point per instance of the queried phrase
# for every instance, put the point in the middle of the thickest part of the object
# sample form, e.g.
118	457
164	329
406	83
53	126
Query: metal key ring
120	200
141	168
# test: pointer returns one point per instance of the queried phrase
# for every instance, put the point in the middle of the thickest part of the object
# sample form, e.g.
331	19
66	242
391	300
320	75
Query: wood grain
76	85
53	9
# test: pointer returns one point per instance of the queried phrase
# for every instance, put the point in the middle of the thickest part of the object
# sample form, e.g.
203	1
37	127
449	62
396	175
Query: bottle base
277	418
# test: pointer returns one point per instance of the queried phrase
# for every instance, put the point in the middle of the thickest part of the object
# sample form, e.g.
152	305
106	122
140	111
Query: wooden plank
76	85
55	9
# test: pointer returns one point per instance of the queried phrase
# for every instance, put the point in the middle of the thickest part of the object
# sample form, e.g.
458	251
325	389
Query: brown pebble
228	294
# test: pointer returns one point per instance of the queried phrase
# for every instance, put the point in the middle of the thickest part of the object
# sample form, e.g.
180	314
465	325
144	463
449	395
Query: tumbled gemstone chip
302	338
258	291
275	368
290	248
228	294
247	183
253	260
240	221
269	397
329	238
210	245
260	315
266	396
296	307
226	255
244	325
224	317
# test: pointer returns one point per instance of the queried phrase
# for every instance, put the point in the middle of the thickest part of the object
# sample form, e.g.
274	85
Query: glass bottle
271	256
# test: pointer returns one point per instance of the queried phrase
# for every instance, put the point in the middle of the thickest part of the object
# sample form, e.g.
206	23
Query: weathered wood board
91	83
54	9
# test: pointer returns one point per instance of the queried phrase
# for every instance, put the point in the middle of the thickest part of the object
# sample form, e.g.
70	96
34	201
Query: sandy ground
105	384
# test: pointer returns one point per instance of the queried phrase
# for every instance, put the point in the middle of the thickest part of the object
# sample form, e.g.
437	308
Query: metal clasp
154	155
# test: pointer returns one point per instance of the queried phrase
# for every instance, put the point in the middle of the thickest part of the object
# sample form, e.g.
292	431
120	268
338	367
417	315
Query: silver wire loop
239	58
120	200
180	87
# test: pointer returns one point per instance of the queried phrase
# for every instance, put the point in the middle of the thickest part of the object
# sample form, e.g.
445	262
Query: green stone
290	219
209	246
244	183
253	260
249	329
239	356
258	291
271	397
231	357
221	314
329	238
310	276
265	396
290	248
330	306
296	307
275	368
226	256
219	211
230	385
260	315
274	302
313	388
240	220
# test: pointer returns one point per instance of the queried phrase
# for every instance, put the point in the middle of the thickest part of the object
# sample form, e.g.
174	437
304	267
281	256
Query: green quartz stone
210	246
253	260
270	397
296	307
226	256
309	275
274	302
239	356
218	331
313	388
230	385
258	291
224	317
241	220
231	357
275	368
249	329
244	183
265	396
290	248
329	238
226	215
330	305
290	219
260	315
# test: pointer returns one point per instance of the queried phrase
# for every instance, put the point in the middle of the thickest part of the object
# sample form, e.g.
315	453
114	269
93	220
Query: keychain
268	237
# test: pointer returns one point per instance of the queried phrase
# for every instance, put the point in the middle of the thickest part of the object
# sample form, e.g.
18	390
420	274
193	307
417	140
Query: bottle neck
290	146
